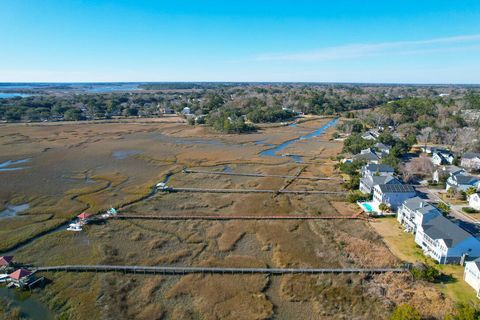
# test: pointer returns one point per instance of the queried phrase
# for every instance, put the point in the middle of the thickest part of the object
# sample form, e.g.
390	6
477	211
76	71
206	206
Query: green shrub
469	210
425	272
443	207
464	312
357	195
405	312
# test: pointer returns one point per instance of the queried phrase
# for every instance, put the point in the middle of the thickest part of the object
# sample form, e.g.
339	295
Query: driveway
456	210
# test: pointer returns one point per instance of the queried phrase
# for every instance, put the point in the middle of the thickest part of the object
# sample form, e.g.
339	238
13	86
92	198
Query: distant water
123	154
30	307
4	95
11	210
6	166
273	152
100	89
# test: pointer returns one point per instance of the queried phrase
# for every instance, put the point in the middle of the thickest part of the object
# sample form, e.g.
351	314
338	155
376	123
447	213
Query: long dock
260	175
233	217
207	190
210	270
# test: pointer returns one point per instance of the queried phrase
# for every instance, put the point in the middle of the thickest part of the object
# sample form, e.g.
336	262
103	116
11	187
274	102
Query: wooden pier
207	190
259	175
211	270
234	217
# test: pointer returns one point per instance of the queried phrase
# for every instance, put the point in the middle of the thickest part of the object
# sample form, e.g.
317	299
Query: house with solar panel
392	194
445	241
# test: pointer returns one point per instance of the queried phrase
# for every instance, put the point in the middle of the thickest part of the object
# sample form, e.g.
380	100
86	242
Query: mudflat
76	167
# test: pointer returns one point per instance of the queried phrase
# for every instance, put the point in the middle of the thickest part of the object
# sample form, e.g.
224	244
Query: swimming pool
367	206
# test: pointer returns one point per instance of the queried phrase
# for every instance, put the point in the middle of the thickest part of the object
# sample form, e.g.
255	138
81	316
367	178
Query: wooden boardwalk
234	217
207	190
259	175
210	270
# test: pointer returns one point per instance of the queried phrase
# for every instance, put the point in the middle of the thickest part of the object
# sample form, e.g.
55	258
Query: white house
446	172
474	201
446	242
441	157
462	182
414	212
471	275
392	194
186	110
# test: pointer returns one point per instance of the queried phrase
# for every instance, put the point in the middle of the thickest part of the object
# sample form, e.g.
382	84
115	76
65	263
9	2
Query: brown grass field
93	166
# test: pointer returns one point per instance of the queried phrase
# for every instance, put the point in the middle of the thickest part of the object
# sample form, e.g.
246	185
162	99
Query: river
29	306
273	151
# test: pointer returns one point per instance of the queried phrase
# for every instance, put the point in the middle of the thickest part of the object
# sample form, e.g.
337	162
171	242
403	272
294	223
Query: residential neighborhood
439	234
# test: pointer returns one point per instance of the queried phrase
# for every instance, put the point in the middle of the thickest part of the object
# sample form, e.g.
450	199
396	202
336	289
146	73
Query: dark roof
465	179
471	155
366	156
380	145
477	262
442	228
379	168
397	188
374	180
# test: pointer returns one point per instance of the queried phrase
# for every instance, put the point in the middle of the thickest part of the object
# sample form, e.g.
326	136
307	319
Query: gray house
370	181
471	161
376	169
368	155
445	241
462	182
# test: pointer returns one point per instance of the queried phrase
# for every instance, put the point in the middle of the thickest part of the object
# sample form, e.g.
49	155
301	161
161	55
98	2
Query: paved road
456	210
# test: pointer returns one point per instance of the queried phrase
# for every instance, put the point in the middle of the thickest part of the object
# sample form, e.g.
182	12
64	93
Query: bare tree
425	135
421	166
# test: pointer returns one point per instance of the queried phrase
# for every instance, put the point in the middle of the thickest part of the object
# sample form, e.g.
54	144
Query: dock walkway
259	175
234	217
207	190
210	270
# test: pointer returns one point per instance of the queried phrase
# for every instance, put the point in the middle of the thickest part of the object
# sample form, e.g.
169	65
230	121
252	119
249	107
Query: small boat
162	186
74	227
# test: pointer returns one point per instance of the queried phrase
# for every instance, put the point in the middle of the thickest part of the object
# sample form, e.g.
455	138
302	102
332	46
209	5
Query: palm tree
383	207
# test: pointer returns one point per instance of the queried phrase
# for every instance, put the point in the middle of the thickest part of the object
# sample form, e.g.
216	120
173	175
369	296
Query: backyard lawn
402	245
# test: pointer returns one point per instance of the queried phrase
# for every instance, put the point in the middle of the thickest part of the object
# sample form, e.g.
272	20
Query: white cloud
352	51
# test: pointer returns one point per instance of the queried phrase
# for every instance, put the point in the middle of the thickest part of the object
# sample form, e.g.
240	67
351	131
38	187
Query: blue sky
327	41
